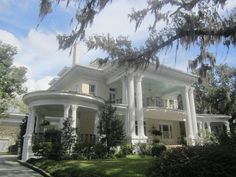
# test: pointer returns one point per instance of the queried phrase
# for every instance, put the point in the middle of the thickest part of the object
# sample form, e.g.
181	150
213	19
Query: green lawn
131	166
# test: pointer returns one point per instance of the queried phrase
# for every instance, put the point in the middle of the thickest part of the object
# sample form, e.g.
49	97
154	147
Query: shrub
83	151
197	161
49	146
42	149
88	151
101	151
143	149
157	149
127	149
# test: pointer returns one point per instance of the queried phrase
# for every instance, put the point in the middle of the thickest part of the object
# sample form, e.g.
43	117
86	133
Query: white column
124	90
139	108
209	127
227	126
193	112
66	115
27	145
131	106
201	129
167	103
204	128
37	124
96	124
74	115
189	126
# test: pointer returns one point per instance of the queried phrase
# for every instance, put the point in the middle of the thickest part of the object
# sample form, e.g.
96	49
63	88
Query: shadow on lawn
123	167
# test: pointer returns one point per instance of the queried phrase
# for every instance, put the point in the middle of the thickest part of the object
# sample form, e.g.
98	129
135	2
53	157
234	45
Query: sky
38	47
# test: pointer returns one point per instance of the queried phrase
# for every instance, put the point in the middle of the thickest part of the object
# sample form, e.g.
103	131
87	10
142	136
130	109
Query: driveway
9	167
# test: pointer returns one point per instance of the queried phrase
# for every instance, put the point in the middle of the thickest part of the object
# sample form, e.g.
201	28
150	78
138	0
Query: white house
162	99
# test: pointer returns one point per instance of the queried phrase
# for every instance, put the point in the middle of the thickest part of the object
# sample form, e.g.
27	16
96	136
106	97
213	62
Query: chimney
75	54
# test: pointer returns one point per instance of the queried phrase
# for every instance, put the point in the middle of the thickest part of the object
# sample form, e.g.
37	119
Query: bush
101	151
143	149
127	149
83	151
49	146
157	149
198	161
88	151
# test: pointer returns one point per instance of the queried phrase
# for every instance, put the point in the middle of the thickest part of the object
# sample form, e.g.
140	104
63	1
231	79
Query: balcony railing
161	103
154	102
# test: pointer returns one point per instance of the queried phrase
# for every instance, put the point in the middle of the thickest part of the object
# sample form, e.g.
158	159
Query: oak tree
188	23
11	77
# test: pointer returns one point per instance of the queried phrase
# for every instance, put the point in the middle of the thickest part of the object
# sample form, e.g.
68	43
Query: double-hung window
91	89
166	130
112	95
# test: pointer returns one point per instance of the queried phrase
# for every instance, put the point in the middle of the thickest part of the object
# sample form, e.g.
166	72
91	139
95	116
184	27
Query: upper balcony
156	102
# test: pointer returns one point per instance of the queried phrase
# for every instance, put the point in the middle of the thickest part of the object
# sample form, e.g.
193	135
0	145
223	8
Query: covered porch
49	109
171	124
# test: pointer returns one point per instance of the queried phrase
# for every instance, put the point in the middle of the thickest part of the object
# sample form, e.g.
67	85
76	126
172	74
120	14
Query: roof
104	70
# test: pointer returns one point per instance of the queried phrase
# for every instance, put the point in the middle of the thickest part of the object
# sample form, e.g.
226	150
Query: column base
191	141
138	139
27	148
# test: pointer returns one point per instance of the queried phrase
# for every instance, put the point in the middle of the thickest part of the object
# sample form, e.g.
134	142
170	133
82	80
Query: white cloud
9	38
40	55
41	84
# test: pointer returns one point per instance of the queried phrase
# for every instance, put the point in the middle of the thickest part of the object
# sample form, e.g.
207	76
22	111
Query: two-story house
159	99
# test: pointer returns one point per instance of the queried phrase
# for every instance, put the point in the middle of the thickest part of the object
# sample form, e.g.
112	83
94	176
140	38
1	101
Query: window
112	95
171	104
91	89
159	102
166	131
145	130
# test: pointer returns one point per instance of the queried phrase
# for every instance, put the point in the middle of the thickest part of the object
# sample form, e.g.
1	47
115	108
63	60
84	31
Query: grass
130	166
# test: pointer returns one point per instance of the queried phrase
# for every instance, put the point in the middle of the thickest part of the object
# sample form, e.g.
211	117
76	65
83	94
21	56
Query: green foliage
187	23
11	77
127	149
110	127
75	172
91	151
129	166
43	149
157	149
49	146
217	95
68	136
23	126
83	151
197	161
143	148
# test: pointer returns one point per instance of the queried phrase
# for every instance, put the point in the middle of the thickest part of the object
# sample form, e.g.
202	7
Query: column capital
191	89
67	106
74	107
31	108
138	77
186	89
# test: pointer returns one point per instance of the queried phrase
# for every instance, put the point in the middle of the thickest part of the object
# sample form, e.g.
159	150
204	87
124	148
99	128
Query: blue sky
38	48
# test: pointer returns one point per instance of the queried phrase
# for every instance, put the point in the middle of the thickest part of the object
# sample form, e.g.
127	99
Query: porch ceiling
151	86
